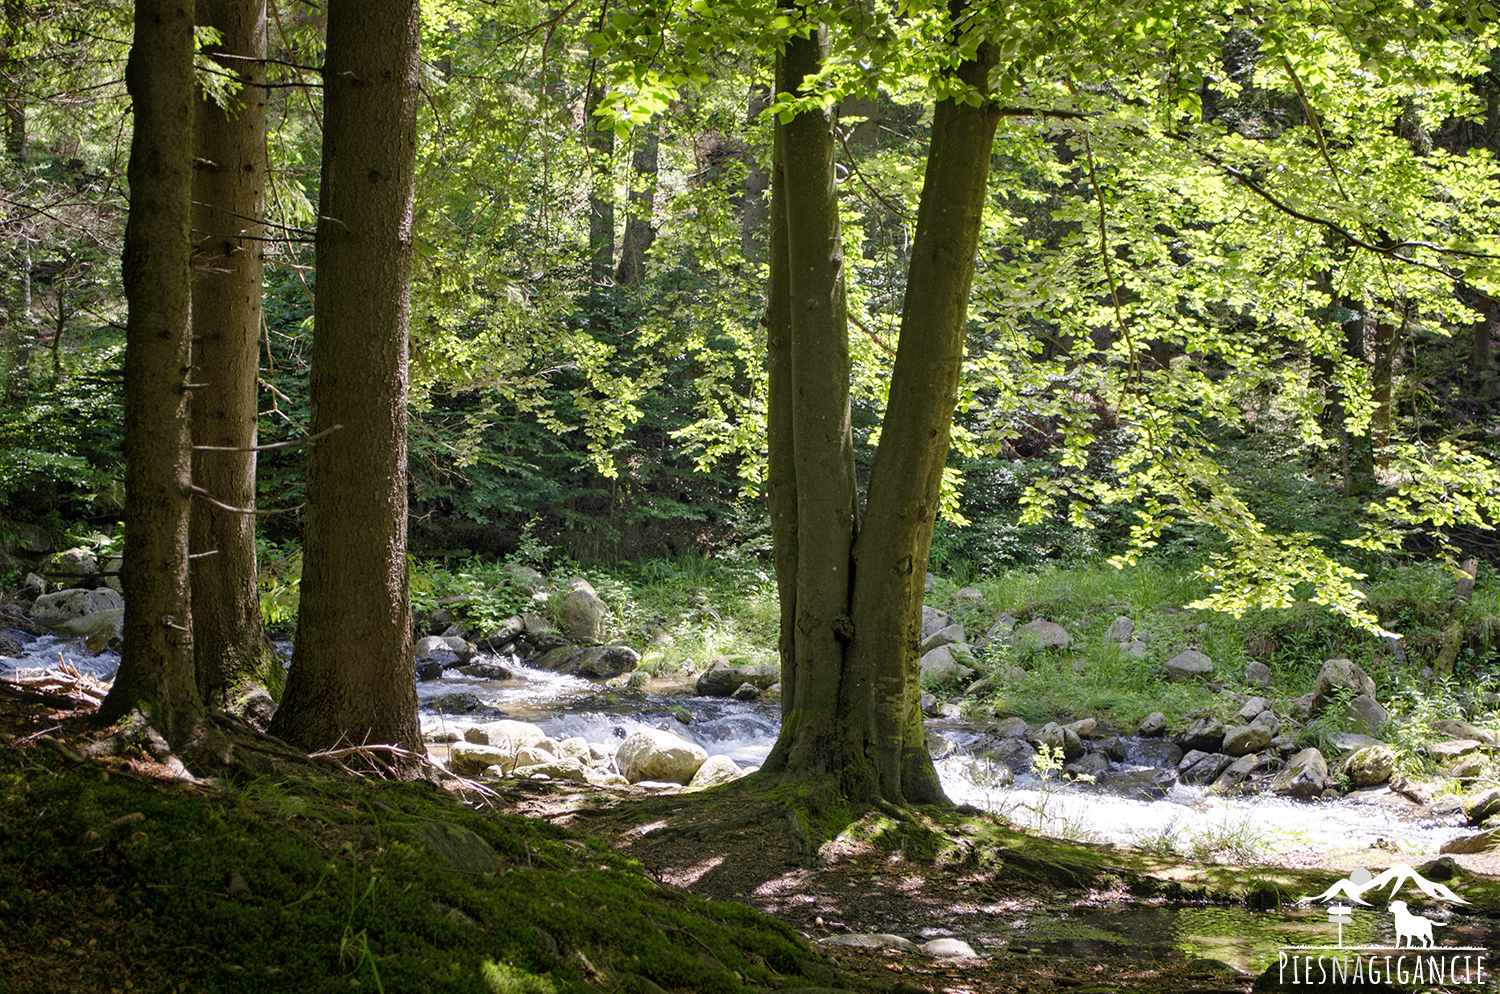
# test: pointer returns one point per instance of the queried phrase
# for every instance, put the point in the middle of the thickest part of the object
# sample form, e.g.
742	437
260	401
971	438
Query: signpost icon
1343	915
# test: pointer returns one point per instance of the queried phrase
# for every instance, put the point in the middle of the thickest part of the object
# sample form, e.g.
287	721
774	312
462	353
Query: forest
1007	406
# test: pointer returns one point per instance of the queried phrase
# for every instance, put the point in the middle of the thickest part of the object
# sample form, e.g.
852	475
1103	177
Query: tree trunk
352	677
1482	353
639	234
20	333
229	637
601	142
14	94
1382	372
156	666
755	208
1359	448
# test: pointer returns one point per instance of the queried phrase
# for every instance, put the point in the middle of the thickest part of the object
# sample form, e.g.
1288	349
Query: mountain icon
1359	882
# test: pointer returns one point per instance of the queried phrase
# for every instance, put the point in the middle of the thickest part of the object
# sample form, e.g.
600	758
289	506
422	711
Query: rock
429	670
1245	739
1012	674
1304	777
1455	728
576	747
1483	806
505	734
722	680
1453	748
1302	707
1252	708
66	605
1350	741
1045	634
1447	809
1239	771
544	751
1133	650
1011	728
1336	674
746	692
1199	767
1112	746
1059	738
1093	764
98	630
69	567
1190	664
1257	674
1472	844
597	662
944	666
456	846
1002	628
934	620
581	615
1152	725
1469	767
502	634
1145	785
1120	630
652	754
11	646
487	671
1017	754
1206	734
453	703
526	578
939	747
873	940
929	704
950	711
1366	712
1084	729
714	771
470	759
949	949
1371	765
980	687
445	649
1283	744
952	635
1158	753
457	629
553	768
929	583
968	595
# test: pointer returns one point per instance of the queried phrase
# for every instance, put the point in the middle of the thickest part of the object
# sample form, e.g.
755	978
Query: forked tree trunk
156	665
639	232
352	679
849	664
229	638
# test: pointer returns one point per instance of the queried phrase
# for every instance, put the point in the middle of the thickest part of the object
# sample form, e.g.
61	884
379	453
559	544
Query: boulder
934	620
11	646
1045	634
1469	767
1305	775
944	666
69	567
653	754
1092	764
526	578
1301	708
487	671
1350	741
98	630
1483	806
929	704
1454	748
949	949
1002	628
746	692
1371	766
1236	773
1252	708
939	746
722	680
1112	746
505	734
1152	725
1120	630
1199	767
1133	650
1011	728
1257	674
1086	728
1011	674
446	649
596	662
982	686
714	771
1158	753
1456	728
581	615
1059	737
501	635
874	940
1017	754
1242	740
66	605
553	768
968	595
1472	844
1206	734
459	703
1337	674
1190	664
470	759
1366	713
576	747
952	635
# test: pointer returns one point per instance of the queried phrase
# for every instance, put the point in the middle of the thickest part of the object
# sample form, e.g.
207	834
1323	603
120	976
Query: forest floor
74	923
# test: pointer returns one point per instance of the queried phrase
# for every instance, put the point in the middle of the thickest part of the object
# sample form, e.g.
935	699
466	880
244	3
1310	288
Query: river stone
505	734
949	949
544	751
457	703
1483	806
653	754
488	670
1152	725
1367	713
1453	748
1002	628
11	646
1046	634
1245	739
69	566
97	630
1160	753
939	746
929	704
576	747
874	940
1145	785
1336	674
968	595
1189	664
1059	737
1252	708
1472	844
1093	764
944	666
1371	765
1112	746
469	759
934	620
446	649
952	635
553	768
1469	767
1304	777
1120	629
1084	728
457	846
984	685
502	634
1206	734
1010	728
722	680
1350	741
1238	773
65	605
526	578
714	771
596	662
1257	673
581	615
1456	728
1202	767
1017	754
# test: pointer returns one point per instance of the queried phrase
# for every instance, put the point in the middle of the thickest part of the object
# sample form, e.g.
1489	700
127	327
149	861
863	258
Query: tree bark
639	234
601	142
229	637
352	678
14	95
156	666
